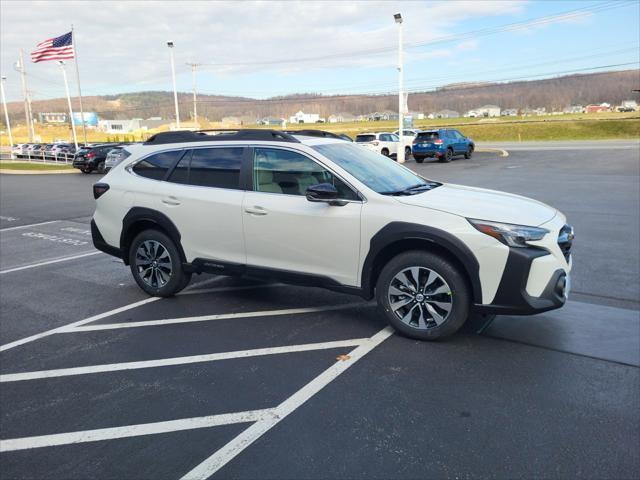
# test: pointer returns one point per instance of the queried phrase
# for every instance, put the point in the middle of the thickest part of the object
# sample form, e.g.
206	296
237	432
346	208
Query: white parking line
202	291
68	438
165	362
29	226
207	318
232	449
48	262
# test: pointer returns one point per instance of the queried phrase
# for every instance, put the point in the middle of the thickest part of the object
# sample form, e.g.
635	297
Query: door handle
172	201
255	211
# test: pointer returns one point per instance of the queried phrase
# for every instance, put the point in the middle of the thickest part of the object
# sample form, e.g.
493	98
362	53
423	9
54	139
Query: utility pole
6	114
400	155
19	66
194	66
66	87
173	78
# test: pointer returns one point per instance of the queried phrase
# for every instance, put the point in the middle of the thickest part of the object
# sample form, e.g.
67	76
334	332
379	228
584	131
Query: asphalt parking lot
240	379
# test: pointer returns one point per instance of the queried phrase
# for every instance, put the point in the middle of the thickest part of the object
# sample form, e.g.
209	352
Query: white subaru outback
317	210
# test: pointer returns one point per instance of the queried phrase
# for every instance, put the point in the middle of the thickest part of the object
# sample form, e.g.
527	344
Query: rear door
203	198
286	232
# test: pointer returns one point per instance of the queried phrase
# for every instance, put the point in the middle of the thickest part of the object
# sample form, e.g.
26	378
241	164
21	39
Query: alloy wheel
420	297
153	263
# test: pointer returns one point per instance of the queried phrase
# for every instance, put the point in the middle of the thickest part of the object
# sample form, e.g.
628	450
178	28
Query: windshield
365	138
376	171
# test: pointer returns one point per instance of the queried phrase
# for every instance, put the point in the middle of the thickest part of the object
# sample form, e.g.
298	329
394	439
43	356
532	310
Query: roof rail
213	135
313	133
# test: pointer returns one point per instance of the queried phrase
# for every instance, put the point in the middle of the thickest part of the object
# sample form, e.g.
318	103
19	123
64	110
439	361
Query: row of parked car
98	157
442	144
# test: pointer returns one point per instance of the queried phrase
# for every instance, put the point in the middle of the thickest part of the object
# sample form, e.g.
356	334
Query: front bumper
512	297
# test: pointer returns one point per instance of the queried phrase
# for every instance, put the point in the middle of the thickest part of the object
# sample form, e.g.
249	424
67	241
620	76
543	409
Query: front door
284	231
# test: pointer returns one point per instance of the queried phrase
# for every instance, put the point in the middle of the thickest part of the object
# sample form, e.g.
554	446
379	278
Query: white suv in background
385	143
317	210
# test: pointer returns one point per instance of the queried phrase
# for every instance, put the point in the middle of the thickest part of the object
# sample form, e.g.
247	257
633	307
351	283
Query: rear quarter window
365	138
156	166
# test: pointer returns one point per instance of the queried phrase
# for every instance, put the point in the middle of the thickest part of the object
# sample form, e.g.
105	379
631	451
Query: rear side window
216	167
156	166
426	136
365	138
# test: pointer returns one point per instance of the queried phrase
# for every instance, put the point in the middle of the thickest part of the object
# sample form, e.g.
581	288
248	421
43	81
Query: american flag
59	48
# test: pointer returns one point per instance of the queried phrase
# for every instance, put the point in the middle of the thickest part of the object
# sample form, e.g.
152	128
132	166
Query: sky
268	48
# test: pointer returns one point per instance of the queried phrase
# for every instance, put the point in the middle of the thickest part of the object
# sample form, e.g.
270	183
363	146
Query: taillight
90	154
438	141
415	142
376	143
99	189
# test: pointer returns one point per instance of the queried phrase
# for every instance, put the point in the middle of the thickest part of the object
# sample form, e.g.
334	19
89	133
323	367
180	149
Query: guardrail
42	157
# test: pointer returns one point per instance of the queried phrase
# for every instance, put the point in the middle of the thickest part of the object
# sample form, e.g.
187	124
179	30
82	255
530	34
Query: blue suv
442	144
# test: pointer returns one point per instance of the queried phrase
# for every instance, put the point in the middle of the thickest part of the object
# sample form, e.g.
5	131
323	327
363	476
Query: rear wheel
418	159
156	264
448	156
423	295
385	152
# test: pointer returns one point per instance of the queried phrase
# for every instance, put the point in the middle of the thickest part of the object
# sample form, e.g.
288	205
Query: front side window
291	173
377	172
156	166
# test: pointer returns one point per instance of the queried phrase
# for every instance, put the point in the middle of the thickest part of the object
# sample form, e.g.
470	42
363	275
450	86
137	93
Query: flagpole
27	100
66	87
75	60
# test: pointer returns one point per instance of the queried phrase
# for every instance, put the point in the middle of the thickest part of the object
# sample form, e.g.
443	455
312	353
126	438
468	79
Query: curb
6	171
499	151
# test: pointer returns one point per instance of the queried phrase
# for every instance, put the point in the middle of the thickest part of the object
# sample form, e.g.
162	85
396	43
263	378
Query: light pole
6	115
66	87
400	155
173	77
194	66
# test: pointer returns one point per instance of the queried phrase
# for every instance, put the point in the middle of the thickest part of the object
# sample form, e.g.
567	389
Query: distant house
119	126
445	114
384	115
574	109
509	112
628	106
529	112
153	122
301	117
341	118
603	107
270	121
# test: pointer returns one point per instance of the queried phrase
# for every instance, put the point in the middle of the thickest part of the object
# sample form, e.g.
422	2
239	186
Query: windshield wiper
413	190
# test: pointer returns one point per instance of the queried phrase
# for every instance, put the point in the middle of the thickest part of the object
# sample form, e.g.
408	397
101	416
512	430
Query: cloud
122	45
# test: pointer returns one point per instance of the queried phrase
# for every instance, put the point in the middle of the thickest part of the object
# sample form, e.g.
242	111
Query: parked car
17	149
383	142
115	156
265	203
35	150
59	150
92	158
442	144
408	136
47	150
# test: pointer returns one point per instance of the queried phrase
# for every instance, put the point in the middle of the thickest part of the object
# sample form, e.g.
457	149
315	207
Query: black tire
447	157
418	159
385	152
101	168
418	326
469	153
407	152
170	272
86	170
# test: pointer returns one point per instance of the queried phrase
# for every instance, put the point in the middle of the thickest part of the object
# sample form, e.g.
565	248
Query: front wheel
418	159
86	170
101	168
156	264
469	153
423	295
407	152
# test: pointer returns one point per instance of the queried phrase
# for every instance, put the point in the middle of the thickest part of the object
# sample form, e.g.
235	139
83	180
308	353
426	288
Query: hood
483	204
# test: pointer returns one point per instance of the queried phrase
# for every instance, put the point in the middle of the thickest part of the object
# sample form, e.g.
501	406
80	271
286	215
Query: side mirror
324	192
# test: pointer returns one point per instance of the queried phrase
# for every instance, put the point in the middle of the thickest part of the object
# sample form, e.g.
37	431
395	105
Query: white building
341	118
119	126
445	114
484	111
302	117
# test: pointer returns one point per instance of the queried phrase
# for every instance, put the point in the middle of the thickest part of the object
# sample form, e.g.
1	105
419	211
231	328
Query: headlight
510	235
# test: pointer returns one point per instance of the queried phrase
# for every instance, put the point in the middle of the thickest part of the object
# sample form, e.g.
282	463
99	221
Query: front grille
565	240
